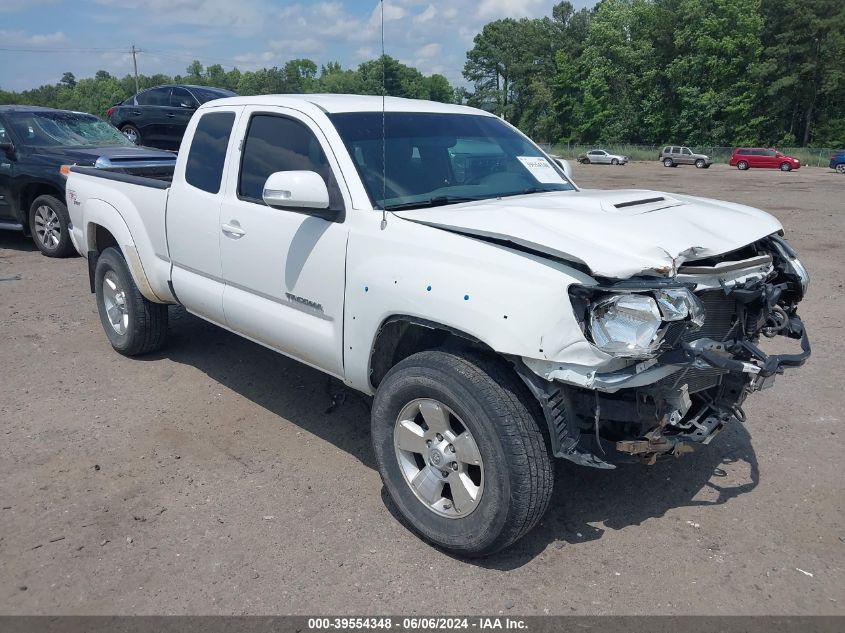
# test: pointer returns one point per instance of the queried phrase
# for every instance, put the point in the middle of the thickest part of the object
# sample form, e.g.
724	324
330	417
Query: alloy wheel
48	229
114	298
439	458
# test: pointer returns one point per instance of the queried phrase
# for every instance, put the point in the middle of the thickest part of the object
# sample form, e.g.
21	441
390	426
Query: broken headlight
626	325
792	266
631	323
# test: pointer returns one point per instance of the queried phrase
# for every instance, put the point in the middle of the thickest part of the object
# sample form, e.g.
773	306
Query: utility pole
135	64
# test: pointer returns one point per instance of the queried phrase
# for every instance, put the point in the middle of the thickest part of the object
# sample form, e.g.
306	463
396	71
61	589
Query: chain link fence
809	156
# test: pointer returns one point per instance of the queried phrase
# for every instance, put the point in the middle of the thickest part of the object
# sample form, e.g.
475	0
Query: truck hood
615	234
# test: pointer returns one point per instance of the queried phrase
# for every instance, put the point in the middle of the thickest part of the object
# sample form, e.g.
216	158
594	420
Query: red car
746	157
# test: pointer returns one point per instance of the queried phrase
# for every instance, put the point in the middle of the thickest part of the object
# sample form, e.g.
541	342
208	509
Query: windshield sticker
541	169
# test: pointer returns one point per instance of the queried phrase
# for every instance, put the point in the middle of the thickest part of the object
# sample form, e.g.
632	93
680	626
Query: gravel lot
210	478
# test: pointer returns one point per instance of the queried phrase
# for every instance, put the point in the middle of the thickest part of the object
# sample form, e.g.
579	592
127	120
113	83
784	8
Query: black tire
146	330
132	133
585	161
494	406
840	168
785	166
48	225
742	165
668	162
614	161
700	164
706	166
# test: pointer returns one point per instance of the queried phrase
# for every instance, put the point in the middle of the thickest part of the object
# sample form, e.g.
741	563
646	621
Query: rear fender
100	213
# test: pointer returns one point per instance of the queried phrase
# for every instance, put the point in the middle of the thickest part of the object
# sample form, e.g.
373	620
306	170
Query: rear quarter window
207	155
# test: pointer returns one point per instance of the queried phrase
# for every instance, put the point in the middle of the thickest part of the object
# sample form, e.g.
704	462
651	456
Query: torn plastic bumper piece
564	434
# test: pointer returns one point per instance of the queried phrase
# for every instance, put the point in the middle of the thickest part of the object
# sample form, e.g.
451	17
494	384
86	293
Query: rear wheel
132	133
742	165
700	163
48	224
668	162
460	452
785	166
133	324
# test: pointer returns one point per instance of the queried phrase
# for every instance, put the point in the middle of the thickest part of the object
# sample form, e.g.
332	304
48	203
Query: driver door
284	270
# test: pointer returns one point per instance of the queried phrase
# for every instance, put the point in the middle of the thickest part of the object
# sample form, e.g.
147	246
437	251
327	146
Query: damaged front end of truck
683	354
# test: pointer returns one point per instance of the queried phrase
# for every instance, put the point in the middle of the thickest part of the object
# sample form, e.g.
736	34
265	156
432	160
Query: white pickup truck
434	257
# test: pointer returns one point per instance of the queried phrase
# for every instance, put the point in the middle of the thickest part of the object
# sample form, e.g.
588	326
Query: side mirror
188	104
565	166
298	190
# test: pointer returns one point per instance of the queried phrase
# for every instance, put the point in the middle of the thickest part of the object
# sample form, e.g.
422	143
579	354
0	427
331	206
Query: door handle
170	115
232	230
136	112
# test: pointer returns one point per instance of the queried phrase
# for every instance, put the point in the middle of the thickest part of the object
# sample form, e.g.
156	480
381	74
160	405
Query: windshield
436	159
204	95
65	129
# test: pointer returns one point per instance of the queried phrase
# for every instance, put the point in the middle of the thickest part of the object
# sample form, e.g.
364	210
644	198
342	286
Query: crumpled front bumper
740	361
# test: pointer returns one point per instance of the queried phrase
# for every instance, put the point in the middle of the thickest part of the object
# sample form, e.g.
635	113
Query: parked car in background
157	117
760	157
674	155
837	161
36	147
601	157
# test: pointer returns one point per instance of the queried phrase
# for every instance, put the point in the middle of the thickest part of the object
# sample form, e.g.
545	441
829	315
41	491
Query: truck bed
134	208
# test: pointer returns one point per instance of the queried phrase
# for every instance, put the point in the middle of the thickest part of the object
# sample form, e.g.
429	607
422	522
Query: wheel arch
104	228
32	190
400	336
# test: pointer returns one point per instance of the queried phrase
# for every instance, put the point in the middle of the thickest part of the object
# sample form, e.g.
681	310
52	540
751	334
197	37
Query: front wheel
742	165
134	325
840	168
700	163
785	167
614	161
460	452
48	224
585	161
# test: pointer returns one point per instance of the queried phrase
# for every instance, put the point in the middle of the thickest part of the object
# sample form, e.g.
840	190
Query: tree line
96	94
697	72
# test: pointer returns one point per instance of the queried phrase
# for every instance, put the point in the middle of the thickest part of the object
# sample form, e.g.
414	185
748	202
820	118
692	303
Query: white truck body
496	272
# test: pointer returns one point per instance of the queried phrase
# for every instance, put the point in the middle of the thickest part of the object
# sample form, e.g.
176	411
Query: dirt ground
210	478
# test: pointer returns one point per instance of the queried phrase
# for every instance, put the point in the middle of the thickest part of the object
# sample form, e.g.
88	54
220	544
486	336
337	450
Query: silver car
602	157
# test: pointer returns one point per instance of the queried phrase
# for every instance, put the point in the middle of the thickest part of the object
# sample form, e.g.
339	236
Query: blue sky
83	36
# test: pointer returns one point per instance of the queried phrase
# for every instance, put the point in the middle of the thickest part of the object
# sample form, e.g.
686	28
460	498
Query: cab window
207	156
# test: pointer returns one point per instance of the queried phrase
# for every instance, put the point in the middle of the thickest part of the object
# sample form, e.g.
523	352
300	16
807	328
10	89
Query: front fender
514	302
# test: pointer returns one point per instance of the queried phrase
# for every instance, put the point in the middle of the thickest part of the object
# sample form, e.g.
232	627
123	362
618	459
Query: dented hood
614	233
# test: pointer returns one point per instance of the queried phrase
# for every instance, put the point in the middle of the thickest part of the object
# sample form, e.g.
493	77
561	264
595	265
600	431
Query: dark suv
37	145
158	117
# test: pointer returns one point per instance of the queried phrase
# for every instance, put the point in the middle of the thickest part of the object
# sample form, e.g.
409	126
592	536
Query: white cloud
493	9
426	16
20	38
